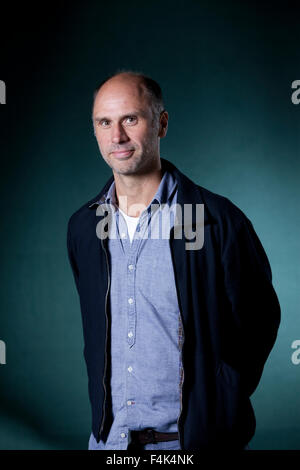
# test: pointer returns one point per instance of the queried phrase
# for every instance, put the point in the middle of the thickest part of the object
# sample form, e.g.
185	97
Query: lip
122	153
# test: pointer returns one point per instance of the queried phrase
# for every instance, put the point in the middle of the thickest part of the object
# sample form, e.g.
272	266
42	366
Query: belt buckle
151	436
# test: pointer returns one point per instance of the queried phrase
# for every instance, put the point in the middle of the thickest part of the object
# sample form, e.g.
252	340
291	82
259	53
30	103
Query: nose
119	134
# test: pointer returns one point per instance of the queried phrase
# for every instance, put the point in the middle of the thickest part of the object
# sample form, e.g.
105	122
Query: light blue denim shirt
146	329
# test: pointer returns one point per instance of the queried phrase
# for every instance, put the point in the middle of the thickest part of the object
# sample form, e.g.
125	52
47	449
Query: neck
134	193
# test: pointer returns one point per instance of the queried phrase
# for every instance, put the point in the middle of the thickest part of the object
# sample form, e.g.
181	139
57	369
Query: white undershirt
131	223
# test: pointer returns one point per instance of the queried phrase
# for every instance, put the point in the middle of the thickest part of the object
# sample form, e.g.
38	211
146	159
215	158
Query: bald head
147	88
124	78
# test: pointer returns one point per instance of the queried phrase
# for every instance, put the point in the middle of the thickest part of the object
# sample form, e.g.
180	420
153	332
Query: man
176	334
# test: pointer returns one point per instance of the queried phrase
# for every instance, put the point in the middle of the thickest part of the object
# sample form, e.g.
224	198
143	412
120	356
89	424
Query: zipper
181	388
105	364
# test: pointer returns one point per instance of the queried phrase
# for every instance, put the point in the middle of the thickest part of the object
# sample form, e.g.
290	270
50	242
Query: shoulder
220	209
229	223
85	215
78	221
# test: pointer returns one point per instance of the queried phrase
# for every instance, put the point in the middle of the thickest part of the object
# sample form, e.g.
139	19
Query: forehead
119	96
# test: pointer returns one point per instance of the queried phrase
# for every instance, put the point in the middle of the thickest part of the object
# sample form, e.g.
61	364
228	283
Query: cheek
149	141
146	138
102	142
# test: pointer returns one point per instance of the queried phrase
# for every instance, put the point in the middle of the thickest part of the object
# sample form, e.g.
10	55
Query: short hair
152	88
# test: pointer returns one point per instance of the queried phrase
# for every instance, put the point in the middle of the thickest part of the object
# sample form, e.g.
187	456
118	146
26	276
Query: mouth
122	153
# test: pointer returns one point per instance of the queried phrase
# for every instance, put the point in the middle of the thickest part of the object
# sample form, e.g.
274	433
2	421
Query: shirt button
123	434
130	267
129	402
130	334
129	369
130	301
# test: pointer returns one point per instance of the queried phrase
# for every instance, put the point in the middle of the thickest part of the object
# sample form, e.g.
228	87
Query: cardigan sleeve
254	303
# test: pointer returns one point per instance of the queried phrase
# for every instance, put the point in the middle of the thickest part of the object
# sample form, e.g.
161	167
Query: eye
103	123
131	120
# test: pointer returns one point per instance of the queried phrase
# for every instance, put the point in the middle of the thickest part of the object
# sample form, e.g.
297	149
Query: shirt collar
163	195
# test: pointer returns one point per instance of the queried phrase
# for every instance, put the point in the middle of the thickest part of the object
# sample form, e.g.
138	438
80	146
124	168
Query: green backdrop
226	70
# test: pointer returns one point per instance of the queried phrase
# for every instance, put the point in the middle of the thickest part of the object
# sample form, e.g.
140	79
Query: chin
125	171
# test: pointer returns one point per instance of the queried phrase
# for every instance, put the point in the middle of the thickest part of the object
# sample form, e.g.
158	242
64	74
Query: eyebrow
134	112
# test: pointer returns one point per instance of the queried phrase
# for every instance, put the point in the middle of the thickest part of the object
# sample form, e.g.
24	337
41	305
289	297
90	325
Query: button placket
131	304
131	331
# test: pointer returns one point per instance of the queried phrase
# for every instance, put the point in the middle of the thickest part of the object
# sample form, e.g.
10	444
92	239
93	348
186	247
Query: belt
149	436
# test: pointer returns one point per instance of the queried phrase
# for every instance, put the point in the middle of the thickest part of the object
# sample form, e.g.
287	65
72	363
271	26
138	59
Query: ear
163	124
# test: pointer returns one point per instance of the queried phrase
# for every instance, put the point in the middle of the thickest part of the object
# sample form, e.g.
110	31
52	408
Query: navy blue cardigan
229	309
